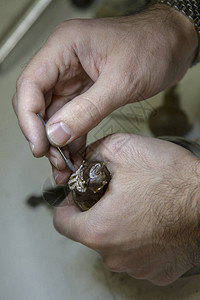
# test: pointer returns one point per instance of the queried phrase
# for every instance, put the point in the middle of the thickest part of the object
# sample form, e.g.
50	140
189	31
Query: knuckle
24	80
68	27
113	264
19	82
60	27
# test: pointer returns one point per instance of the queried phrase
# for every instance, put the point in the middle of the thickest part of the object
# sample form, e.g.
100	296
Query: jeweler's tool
66	159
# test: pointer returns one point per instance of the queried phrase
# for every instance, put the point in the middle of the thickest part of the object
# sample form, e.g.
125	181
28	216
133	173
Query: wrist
177	34
188	14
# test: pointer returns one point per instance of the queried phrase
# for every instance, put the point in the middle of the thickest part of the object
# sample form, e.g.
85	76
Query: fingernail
31	146
58	133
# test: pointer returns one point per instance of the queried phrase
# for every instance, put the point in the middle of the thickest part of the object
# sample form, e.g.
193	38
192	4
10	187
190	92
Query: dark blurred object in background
82	3
114	8
51	197
169	119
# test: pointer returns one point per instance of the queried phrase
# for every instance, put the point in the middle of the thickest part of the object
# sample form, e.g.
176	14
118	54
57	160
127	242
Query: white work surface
36	263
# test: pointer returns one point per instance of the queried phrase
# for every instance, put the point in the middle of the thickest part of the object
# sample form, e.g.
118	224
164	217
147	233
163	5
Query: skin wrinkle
66	73
81	52
130	84
96	70
96	61
131	81
76	90
148	88
96	113
68	65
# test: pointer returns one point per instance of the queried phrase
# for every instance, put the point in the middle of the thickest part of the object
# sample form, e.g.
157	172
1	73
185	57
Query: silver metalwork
76	181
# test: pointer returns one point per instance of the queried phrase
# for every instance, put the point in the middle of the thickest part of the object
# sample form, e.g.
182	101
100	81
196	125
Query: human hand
88	68
147	222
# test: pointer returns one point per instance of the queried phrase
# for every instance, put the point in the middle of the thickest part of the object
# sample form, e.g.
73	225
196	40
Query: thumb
81	114
70	221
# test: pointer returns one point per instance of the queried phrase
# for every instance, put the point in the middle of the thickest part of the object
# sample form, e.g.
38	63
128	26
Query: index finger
35	82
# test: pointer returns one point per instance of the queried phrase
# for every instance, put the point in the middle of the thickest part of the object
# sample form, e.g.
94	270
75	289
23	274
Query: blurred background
35	261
